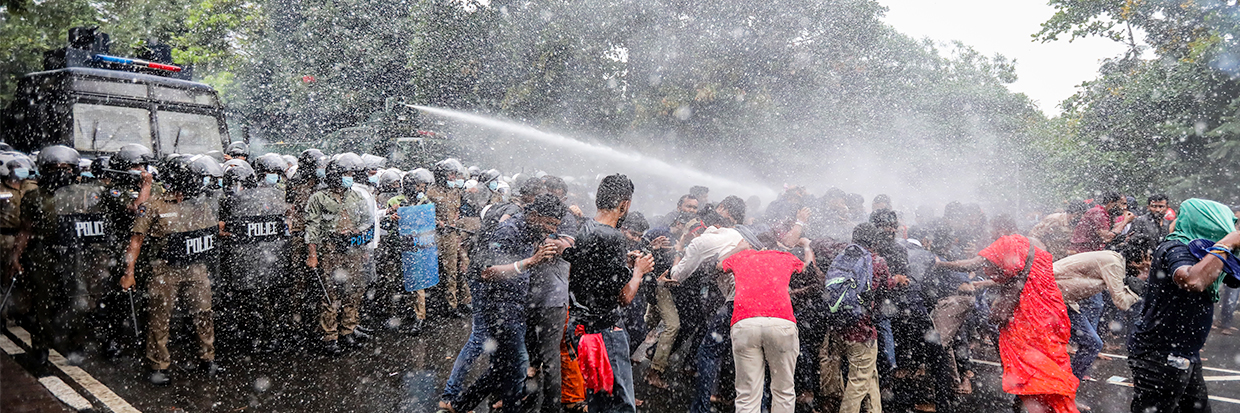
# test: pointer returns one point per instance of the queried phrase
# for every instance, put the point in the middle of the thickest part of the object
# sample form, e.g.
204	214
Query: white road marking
100	392
65	393
1224	399
988	363
1202	367
1222	378
10	347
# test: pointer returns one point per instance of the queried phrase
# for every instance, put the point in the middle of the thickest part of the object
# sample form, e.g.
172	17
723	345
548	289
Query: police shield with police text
182	229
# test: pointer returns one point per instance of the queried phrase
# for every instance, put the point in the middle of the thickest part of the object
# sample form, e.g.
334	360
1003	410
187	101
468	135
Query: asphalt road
398	373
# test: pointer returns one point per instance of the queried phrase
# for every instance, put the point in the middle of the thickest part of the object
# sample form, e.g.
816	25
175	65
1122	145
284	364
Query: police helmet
269	163
132	154
416	177
238	170
449	166
4	147
9	165
374	162
217	155
238	148
289	161
488	176
84	164
25	162
204	165
345	163
178	174
389	179
58	154
474	171
310	159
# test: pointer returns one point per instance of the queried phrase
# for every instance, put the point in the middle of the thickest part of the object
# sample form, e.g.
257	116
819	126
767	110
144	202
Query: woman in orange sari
1033	324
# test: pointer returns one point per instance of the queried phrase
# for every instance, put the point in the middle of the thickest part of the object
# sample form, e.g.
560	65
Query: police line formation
835	304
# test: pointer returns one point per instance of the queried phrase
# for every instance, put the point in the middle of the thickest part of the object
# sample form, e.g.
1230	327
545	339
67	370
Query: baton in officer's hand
133	314
318	275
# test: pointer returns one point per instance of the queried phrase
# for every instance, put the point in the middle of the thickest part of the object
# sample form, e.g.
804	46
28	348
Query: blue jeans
886	347
715	348
1088	343
506	325
470	352
621	398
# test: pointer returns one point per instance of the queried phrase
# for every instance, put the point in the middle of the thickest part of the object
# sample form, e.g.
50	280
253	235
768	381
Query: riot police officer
11	175
446	193
181	228
63	236
413	192
374	165
255	237
339	230
237	150
305	182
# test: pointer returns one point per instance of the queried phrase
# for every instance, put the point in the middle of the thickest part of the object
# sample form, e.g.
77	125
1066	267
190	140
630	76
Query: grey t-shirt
549	282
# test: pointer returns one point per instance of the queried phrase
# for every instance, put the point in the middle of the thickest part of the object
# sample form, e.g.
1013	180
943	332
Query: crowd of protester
572	294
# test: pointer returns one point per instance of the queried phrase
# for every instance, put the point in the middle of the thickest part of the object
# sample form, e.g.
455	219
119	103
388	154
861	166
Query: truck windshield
106	128
182	132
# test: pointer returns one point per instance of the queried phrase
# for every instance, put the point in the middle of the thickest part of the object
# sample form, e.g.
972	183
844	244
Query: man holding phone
602	282
503	263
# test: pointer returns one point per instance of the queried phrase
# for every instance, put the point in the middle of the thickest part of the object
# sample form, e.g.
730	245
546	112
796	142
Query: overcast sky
1048	72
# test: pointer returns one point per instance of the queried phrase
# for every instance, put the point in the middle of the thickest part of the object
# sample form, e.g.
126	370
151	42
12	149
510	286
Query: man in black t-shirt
1165	351
601	281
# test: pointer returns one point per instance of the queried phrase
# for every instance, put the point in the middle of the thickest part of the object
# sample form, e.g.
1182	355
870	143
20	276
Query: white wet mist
629	163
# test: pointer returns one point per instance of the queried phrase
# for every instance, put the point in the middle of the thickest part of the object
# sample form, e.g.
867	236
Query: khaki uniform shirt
330	213
162	217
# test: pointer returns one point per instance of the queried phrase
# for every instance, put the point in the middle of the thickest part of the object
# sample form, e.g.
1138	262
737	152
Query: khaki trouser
451	257
862	373
948	315
759	343
344	276
663	308
166	284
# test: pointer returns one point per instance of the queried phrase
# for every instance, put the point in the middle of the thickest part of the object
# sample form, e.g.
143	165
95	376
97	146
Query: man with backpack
857	280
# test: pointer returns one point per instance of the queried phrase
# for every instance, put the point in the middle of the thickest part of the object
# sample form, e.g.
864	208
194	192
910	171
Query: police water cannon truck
96	102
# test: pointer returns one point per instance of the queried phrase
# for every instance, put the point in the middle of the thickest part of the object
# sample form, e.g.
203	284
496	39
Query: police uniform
340	223
255	239
10	220
451	255
297	194
392	246
69	262
182	237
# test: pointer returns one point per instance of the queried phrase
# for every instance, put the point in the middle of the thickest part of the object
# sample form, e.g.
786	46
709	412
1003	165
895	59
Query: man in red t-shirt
1098	227
764	331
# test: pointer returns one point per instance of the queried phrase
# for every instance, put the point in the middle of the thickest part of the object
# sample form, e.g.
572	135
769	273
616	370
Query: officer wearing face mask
127	184
374	168
11	175
212	173
255	235
446	193
339	231
412	192
180	228
305	182
63	235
